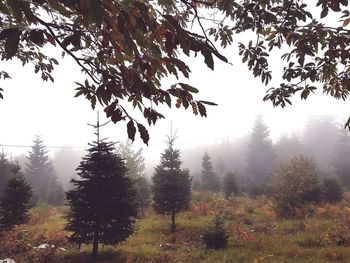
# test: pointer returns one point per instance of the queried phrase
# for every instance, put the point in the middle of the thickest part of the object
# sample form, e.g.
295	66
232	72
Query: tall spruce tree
14	202
41	175
102	202
260	157
210	180
5	171
171	185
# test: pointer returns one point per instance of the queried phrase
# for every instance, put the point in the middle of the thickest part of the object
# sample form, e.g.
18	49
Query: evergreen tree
260	156
341	159
210	180
331	190
102	203
14	202
230	185
171	185
135	165
143	194
41	175
288	147
5	171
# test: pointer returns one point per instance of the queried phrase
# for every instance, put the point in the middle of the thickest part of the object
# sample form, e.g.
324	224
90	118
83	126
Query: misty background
32	107
321	138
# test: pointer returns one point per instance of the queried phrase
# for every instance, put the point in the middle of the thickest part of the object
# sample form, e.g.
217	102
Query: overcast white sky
31	107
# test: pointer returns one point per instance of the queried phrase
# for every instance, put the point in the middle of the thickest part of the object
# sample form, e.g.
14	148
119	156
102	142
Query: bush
216	238
331	190
230	185
255	190
293	185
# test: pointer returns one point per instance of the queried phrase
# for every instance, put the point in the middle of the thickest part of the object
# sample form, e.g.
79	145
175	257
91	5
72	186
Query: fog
32	107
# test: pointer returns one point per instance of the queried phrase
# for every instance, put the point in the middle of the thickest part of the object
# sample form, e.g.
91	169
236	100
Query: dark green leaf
37	37
202	110
188	88
15	7
12	41
208	103
143	133
131	130
208	58
96	11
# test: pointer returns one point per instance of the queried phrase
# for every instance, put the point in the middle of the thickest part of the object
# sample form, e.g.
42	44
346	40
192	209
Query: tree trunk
173	226
94	250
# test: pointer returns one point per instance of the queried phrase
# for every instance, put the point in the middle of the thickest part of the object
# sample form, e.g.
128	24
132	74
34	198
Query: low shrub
216	238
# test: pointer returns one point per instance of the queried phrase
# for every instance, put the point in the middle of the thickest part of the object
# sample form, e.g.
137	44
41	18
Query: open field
320	234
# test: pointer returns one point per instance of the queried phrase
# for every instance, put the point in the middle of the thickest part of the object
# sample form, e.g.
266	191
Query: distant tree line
254	159
110	188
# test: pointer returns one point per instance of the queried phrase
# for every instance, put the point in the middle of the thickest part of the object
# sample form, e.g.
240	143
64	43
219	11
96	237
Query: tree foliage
5	171
260	155
210	180
230	185
294	184
171	185
287	147
14	201
126	48
41	175
331	190
135	166
102	202
216	238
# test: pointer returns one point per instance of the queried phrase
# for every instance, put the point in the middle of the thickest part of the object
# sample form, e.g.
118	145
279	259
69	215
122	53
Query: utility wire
49	147
137	145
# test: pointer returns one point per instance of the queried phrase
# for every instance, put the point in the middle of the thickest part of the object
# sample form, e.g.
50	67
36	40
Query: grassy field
320	234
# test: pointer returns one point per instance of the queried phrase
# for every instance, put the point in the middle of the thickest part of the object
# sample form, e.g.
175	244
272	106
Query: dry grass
256	235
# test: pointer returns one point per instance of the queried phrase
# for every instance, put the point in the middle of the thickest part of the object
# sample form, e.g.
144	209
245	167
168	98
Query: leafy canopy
126	48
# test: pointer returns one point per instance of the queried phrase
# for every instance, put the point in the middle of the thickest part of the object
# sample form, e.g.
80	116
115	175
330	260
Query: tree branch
47	25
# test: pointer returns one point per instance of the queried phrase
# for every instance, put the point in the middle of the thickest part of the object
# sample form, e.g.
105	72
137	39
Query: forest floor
320	234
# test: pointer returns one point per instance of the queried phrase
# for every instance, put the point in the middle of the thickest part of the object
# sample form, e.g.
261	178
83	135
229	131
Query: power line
136	144
49	147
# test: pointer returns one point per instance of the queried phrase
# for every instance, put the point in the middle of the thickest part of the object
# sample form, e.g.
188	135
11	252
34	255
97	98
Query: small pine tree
210	180
217	237
230	185
171	185
102	204
14	202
